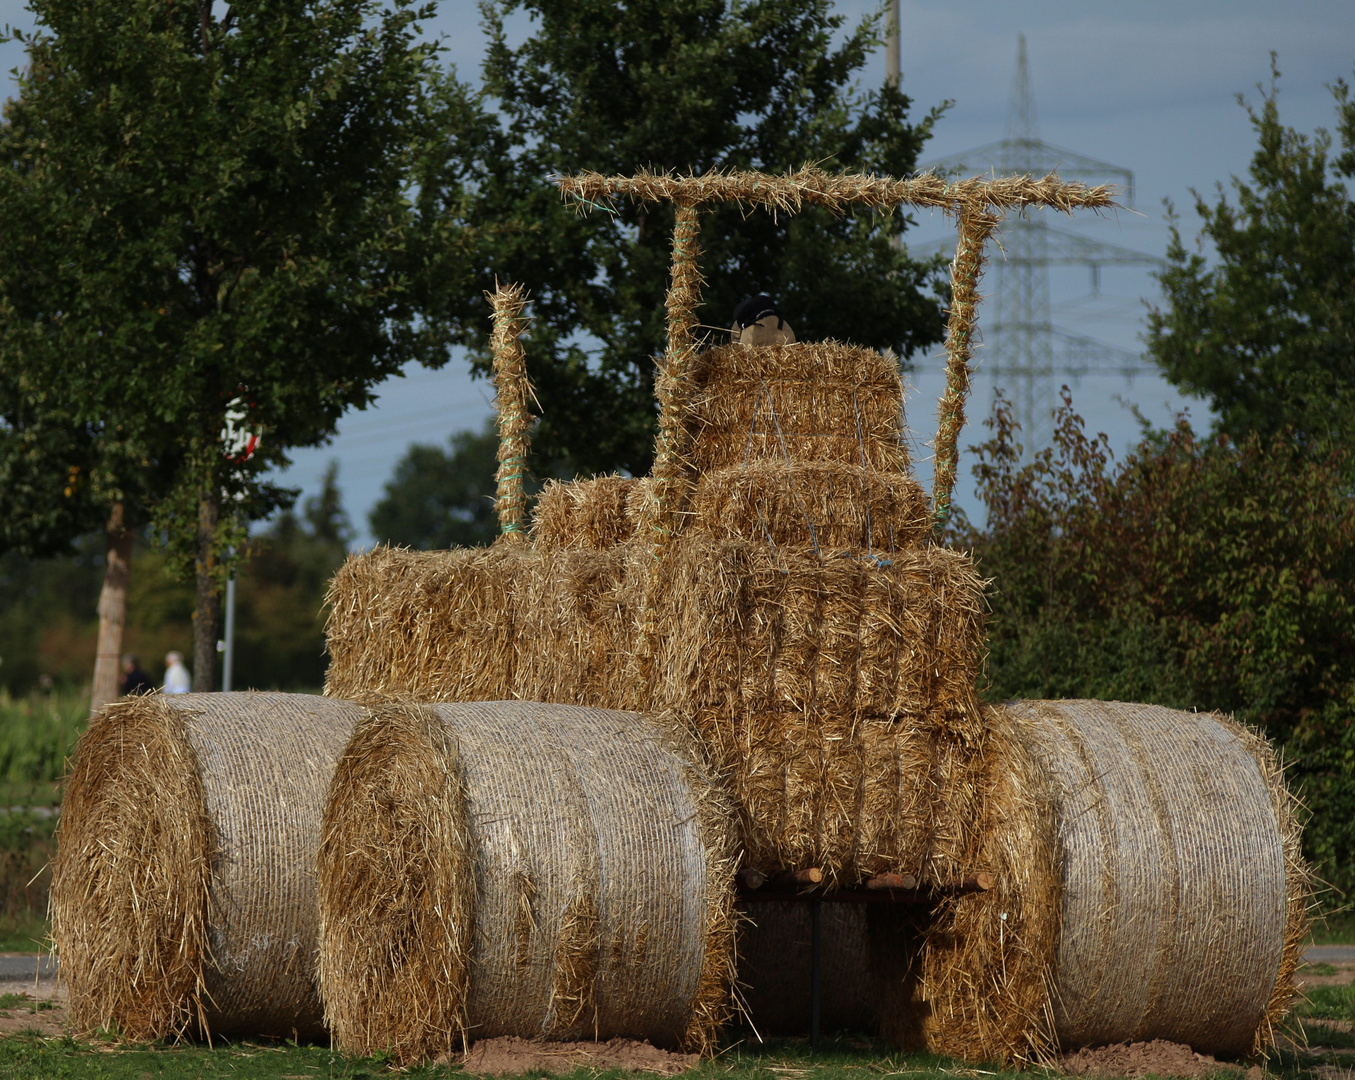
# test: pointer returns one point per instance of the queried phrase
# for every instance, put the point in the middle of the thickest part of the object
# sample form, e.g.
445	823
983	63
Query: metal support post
815	970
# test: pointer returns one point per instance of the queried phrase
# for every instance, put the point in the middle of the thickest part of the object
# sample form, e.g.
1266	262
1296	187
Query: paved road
24	968
1330	954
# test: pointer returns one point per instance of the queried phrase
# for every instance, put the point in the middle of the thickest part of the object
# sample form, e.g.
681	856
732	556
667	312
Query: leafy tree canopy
210	210
1265	329
699	85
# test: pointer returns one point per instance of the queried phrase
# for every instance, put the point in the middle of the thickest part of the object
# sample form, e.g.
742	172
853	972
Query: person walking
177	678
134	680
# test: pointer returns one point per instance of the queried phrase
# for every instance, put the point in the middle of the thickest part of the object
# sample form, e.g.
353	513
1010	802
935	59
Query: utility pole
893	68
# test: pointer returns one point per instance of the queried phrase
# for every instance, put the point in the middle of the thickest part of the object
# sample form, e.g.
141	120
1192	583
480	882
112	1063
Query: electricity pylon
1023	349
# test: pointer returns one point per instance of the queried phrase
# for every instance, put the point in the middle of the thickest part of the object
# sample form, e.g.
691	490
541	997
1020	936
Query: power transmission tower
1023	349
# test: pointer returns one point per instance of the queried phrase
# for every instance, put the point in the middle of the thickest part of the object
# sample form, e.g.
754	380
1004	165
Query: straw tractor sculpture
548	775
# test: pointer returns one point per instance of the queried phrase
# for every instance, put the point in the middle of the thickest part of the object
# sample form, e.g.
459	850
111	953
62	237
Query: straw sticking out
511	389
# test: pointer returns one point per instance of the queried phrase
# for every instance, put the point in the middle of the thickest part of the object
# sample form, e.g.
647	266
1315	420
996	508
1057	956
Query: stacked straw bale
512	868
584	513
183	890
834	505
577	619
441	625
836	691
1149	886
810	401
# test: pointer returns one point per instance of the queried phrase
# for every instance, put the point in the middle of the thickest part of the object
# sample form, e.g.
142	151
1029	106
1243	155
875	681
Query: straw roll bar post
511	390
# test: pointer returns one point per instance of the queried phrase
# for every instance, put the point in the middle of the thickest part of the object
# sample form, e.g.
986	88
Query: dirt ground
509	1056
1141	1058
1344	975
26	1005
41	1006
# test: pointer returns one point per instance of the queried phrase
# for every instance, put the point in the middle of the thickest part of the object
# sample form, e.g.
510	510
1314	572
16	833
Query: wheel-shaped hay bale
1185	893
183	890
513	868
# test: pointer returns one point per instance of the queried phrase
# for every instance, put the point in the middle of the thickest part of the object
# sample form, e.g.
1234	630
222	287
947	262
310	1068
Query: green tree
1264	328
687	85
441	498
209	212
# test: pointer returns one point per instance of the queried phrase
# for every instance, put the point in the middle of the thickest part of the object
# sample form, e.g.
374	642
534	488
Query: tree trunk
112	612
207	613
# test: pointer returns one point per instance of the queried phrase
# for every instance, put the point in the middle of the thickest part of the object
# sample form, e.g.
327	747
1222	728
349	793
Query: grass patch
37	734
27	844
1335	928
1315	1033
28	1056
1328	1003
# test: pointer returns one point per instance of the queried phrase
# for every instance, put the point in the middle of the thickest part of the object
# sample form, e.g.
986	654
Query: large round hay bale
183	890
1184	889
514	868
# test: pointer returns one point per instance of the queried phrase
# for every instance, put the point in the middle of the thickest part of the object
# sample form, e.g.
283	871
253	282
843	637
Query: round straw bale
1185	893
183	890
1149	886
516	868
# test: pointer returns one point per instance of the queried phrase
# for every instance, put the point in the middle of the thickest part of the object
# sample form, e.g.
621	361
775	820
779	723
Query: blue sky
1147	84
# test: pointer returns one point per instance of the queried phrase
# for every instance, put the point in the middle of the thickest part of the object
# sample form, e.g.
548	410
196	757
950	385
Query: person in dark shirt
134	680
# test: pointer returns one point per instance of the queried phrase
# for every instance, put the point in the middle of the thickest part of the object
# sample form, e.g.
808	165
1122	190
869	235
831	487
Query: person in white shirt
177	679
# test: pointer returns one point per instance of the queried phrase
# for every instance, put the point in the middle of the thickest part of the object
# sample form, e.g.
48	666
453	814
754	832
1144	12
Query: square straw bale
810	401
577	622
899	793
853	796
583	513
440	625
831	504
777	630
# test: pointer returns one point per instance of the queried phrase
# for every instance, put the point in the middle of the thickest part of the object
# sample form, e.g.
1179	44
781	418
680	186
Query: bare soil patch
24	1007
1311	975
1158	1058
511	1055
